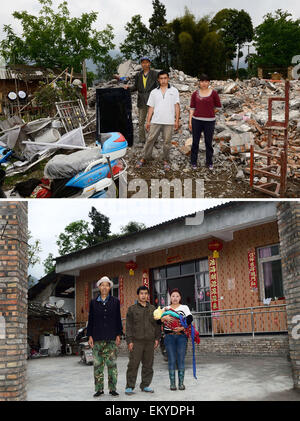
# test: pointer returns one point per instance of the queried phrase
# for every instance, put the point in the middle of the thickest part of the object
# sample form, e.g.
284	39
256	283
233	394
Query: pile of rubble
239	124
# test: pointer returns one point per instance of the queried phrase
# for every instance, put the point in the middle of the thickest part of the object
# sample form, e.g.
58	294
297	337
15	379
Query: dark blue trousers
176	346
208	127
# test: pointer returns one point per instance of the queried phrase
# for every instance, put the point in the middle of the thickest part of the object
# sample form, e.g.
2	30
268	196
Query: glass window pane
203	265
162	272
265	252
157	286
275	250
273	279
156	274
277	279
163	286
206	279
163	301
173	271
187	268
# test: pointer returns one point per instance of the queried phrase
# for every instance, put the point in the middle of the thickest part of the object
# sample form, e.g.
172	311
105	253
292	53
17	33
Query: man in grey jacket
142	336
145	81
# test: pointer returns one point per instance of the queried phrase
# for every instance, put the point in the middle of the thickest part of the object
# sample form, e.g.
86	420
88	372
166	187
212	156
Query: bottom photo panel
157	302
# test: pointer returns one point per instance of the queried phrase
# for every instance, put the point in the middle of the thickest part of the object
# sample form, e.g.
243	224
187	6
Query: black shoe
98	393
114	393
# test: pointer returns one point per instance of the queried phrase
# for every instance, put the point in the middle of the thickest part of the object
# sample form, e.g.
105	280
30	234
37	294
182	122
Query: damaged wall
289	224
13	300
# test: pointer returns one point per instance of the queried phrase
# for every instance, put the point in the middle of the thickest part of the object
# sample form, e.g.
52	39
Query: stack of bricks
13	300
289	233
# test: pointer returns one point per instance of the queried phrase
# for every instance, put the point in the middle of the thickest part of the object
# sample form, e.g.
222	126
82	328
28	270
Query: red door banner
86	296
213	278
121	290
252	269
145	278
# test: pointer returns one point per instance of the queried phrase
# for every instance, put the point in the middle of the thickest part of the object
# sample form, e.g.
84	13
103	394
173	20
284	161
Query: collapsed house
239	125
18	84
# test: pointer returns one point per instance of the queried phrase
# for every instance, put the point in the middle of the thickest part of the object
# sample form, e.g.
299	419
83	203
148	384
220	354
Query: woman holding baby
175	336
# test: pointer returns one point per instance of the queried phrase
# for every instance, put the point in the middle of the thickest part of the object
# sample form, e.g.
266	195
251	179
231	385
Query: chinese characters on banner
86	296
121	290
145	278
213	278
252	269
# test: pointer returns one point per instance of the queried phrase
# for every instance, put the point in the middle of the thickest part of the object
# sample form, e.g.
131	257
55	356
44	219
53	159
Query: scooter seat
67	166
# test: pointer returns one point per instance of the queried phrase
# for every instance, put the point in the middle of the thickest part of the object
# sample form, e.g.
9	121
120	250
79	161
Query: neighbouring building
13	300
18	84
51	308
239	292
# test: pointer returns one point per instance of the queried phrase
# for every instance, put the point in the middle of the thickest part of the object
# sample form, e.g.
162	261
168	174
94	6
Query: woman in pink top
204	102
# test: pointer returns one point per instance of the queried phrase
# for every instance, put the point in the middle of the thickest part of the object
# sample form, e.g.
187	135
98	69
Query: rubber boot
181	386
172	380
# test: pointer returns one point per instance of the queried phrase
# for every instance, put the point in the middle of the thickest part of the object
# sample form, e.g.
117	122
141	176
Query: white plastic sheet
52	343
71	140
9	139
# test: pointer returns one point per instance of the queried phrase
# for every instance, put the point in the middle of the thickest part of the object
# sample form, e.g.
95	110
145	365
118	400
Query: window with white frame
270	272
114	291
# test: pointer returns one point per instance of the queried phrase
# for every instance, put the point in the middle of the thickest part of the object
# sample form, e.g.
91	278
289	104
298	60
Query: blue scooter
89	173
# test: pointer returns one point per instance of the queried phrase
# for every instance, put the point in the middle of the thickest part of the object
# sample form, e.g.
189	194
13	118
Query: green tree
277	40
132	227
76	236
34	249
49	263
100	227
196	47
55	39
159	35
136	44
108	67
235	27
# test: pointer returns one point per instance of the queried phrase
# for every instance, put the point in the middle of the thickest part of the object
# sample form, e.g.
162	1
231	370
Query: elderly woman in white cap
104	331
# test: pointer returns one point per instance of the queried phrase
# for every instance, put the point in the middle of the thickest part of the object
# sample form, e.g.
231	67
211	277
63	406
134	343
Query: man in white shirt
163	116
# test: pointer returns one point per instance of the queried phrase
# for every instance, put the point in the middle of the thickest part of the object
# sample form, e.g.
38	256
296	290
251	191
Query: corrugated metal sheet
7	74
30	73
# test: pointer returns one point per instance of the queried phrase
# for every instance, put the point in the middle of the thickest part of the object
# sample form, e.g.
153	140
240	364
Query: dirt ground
219	183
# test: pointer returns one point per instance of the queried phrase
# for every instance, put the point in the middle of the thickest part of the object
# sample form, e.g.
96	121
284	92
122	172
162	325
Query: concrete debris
239	124
240	175
231	88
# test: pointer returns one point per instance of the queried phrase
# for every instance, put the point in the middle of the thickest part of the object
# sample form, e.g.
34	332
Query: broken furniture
274	166
73	115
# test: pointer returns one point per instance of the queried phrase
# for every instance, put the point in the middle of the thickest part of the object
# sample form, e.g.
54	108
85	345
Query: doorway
186	286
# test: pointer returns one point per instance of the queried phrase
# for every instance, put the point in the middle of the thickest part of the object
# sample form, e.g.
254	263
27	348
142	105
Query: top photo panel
180	102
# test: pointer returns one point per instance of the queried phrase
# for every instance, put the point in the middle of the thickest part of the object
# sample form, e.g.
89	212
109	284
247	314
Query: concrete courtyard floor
218	379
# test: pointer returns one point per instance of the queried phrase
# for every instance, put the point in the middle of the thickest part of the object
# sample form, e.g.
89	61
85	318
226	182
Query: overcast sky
48	218
118	13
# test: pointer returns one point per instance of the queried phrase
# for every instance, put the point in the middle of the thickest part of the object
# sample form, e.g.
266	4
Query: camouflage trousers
105	353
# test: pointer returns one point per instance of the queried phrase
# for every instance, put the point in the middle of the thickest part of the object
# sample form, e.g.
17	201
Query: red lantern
215	246
131	266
